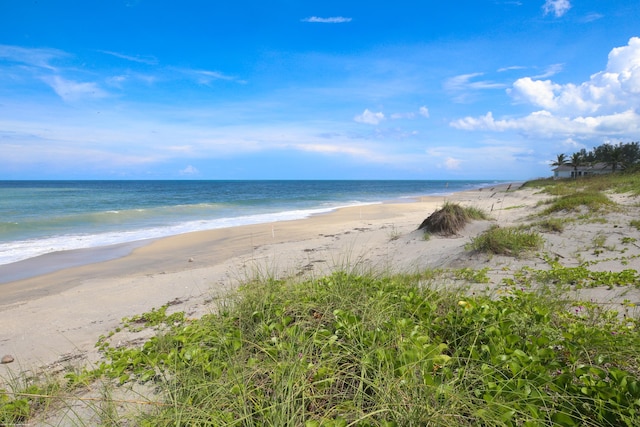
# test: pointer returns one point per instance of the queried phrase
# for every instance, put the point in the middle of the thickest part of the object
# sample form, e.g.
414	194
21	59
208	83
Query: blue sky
290	89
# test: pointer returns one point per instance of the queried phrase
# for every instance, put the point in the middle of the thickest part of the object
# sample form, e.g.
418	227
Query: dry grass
450	219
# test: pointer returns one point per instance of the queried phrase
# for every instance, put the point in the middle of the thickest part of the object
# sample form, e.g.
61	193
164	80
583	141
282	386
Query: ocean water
40	217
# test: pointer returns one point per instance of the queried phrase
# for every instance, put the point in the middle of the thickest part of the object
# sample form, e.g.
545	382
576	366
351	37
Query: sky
291	89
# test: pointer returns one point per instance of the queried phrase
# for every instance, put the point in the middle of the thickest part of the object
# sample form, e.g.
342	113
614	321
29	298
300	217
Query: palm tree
560	160
615	157
576	160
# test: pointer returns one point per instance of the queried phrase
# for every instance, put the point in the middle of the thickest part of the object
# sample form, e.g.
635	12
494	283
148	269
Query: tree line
618	156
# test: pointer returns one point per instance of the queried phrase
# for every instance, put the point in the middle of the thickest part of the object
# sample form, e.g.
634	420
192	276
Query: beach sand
53	320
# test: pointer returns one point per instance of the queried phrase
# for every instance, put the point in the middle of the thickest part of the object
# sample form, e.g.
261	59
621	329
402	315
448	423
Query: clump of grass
474	213
635	223
592	200
511	241
552	225
450	219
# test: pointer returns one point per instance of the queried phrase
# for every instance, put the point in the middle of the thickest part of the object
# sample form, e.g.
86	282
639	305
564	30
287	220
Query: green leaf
563	419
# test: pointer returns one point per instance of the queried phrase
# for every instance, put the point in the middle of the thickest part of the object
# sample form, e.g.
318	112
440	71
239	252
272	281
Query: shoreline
56	318
70	258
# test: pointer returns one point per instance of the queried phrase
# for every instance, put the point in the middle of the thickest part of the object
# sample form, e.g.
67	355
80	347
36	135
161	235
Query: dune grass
592	200
388	350
513	241
618	182
451	219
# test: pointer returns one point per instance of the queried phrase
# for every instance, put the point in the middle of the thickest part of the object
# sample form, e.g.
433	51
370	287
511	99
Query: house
568	171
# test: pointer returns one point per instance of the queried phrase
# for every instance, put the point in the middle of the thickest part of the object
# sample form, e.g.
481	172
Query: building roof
585	168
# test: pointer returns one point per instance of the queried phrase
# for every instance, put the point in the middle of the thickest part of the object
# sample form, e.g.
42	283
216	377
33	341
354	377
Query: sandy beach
54	319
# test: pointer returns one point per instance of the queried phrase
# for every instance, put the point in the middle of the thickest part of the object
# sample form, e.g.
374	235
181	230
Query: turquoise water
39	217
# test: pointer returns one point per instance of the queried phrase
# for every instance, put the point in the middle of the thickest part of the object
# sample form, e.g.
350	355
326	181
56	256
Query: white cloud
70	90
464	81
557	7
552	70
150	60
592	17
331	20
422	111
511	68
369	117
451	163
608	104
464	84
37	57
206	77
189	170
543	123
410	115
615	89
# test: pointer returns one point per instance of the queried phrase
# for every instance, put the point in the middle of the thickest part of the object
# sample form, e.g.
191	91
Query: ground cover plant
390	350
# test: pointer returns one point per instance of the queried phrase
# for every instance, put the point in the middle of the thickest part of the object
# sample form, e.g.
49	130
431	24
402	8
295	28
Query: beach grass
591	200
618	183
381	350
512	241
451	218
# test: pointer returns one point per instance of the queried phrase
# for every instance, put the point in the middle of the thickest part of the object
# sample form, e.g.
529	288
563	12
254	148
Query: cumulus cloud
557	7
331	20
607	103
369	117
543	123
616	88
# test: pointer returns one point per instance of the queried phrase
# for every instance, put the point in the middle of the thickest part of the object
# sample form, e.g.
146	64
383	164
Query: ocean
41	217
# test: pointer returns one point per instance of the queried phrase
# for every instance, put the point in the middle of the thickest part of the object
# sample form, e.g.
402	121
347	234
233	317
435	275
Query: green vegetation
590	199
627	181
423	349
506	241
552	225
385	351
576	277
450	219
620	156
